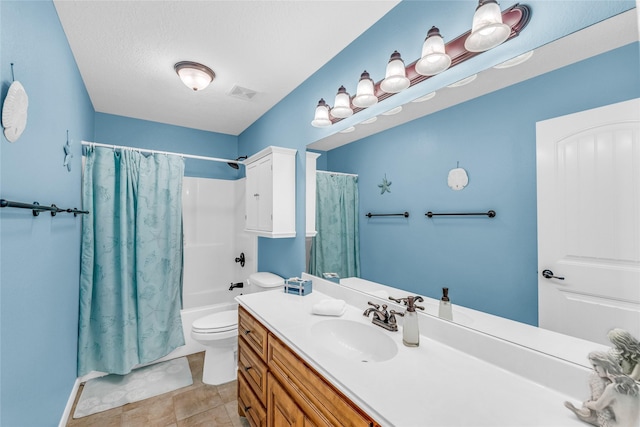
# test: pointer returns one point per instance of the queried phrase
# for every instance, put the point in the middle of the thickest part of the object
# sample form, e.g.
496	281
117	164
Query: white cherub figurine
626	351
615	397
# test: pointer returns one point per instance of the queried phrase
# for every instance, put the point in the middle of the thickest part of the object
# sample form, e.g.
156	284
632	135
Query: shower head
236	165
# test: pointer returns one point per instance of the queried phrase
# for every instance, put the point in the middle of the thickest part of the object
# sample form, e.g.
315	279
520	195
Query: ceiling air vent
242	93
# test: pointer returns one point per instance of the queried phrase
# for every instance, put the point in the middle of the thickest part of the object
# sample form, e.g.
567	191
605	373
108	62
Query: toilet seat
224	321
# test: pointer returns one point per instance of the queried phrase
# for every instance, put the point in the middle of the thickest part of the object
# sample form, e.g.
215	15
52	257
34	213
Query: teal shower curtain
336	247
131	266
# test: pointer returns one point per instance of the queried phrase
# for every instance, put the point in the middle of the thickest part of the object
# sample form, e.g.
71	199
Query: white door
588	167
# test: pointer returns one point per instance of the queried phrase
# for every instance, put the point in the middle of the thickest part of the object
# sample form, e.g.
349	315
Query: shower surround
213	224
213	229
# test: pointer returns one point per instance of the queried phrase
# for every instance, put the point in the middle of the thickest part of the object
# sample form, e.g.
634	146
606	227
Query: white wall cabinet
271	193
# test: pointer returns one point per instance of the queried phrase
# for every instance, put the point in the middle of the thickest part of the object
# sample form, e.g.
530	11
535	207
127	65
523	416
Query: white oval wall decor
14	112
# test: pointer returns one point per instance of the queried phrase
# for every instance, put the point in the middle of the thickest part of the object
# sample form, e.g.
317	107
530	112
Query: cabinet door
282	411
265	194
251	197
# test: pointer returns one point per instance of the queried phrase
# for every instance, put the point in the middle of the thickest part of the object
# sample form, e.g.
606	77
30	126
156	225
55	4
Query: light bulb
342	105
321	118
487	30
365	93
395	79
434	60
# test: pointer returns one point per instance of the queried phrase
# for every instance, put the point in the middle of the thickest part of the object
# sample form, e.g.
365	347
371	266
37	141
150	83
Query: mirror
487	128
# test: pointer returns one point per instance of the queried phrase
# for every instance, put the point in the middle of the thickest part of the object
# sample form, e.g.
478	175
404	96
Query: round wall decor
457	179
14	112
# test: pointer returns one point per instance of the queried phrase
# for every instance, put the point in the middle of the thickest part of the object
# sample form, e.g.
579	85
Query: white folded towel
329	307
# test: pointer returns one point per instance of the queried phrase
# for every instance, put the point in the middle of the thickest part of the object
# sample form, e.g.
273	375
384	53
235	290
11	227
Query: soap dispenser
410	330
445	311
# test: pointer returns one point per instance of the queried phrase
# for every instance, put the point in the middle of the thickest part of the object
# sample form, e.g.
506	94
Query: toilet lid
266	280
217	322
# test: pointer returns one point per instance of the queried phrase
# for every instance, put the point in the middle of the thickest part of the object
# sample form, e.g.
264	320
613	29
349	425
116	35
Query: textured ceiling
125	51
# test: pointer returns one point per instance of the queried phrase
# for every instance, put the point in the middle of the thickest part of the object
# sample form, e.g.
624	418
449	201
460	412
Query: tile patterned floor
199	405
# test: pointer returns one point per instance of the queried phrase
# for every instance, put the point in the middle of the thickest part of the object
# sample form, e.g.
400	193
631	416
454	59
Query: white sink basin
353	340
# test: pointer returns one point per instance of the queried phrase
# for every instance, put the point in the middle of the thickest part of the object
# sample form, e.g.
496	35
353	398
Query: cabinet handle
247	331
246	408
246	368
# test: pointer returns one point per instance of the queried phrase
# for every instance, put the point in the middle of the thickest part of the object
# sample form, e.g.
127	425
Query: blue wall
488	264
40	256
119	130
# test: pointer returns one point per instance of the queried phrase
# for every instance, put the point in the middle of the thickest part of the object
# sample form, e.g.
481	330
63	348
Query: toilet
219	333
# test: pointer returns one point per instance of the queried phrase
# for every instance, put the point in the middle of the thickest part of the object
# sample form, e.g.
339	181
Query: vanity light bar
517	17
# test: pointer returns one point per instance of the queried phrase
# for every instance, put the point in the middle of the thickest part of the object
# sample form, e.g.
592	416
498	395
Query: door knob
548	274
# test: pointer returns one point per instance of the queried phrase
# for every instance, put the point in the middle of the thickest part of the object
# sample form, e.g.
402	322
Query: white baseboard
67	410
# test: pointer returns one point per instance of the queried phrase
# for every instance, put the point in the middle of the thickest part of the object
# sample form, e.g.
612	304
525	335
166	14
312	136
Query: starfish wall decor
385	185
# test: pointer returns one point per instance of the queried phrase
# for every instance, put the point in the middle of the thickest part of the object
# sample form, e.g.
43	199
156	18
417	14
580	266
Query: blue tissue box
333	277
298	286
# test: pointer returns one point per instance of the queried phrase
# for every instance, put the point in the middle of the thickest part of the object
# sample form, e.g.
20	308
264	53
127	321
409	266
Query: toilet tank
264	281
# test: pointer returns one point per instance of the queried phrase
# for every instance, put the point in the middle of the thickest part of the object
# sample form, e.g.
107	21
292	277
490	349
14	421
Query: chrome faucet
381	317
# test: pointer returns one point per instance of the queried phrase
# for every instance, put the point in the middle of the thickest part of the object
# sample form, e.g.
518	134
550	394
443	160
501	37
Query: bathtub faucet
236	285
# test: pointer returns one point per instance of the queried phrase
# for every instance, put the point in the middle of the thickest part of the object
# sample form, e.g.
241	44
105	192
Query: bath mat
111	391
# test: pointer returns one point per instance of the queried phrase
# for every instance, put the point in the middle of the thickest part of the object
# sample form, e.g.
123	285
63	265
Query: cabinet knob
246	408
246	368
247	331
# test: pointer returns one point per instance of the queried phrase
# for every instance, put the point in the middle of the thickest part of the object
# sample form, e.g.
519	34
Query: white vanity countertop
430	385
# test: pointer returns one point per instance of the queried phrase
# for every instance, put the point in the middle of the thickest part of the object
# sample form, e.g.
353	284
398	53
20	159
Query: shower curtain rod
339	173
144	150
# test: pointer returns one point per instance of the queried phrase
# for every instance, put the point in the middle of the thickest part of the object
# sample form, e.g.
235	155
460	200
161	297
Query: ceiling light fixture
434	59
365	93
395	79
321	118
342	105
487	30
194	75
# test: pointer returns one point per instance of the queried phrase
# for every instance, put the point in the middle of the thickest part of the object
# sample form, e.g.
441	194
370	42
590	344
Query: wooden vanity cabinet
252	369
289	392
